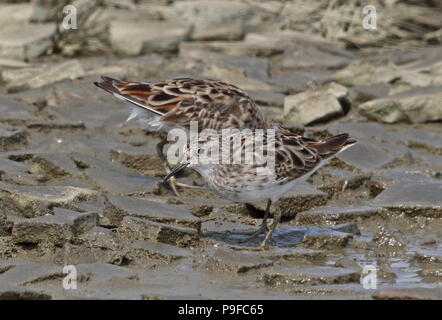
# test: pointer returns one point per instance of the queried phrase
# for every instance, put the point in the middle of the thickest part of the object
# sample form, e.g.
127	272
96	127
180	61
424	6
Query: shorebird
211	104
218	105
295	158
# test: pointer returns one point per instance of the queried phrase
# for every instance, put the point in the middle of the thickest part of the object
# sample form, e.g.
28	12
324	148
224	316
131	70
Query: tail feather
113	86
333	145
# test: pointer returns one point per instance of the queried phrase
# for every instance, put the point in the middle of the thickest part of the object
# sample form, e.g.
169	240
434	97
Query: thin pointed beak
175	170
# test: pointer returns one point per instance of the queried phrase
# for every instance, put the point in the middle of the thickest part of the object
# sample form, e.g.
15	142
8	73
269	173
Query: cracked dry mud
79	186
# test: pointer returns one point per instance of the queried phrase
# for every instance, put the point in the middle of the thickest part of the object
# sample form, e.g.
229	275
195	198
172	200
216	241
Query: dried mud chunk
326	240
231	261
56	229
310	276
34	201
11	292
336	215
420	198
133	228
117	207
143	252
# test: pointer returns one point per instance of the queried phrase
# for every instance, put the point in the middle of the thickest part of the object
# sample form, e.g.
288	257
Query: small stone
117	207
335	215
231	261
142	252
135	37
57	229
414	106
204	12
27	41
71	69
310	276
315	105
328	239
34	201
142	229
220	20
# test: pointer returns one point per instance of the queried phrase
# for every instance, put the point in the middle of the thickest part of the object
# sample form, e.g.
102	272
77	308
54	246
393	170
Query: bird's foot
184	185
172	184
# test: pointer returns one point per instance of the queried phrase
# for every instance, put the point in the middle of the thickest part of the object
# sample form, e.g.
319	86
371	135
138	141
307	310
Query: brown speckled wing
297	155
212	104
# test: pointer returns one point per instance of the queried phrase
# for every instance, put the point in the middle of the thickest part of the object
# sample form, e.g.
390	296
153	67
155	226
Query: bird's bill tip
175	170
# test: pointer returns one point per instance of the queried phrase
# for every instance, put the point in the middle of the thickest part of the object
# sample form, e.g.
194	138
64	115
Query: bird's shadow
285	236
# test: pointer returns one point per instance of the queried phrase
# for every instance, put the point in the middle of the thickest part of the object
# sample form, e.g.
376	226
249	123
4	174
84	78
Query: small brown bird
218	105
211	104
295	158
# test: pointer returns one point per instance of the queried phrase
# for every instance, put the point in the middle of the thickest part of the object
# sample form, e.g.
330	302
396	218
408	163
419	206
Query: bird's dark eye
200	150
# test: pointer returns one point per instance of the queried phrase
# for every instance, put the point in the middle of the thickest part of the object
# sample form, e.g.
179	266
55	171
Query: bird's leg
276	219
263	227
172	180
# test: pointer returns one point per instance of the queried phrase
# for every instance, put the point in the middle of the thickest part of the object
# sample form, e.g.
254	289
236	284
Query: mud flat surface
80	186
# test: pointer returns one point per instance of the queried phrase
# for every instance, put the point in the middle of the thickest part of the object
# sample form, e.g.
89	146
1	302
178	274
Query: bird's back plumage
211	104
295	158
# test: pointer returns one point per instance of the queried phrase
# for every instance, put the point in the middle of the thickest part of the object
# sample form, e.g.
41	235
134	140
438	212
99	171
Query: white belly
272	192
